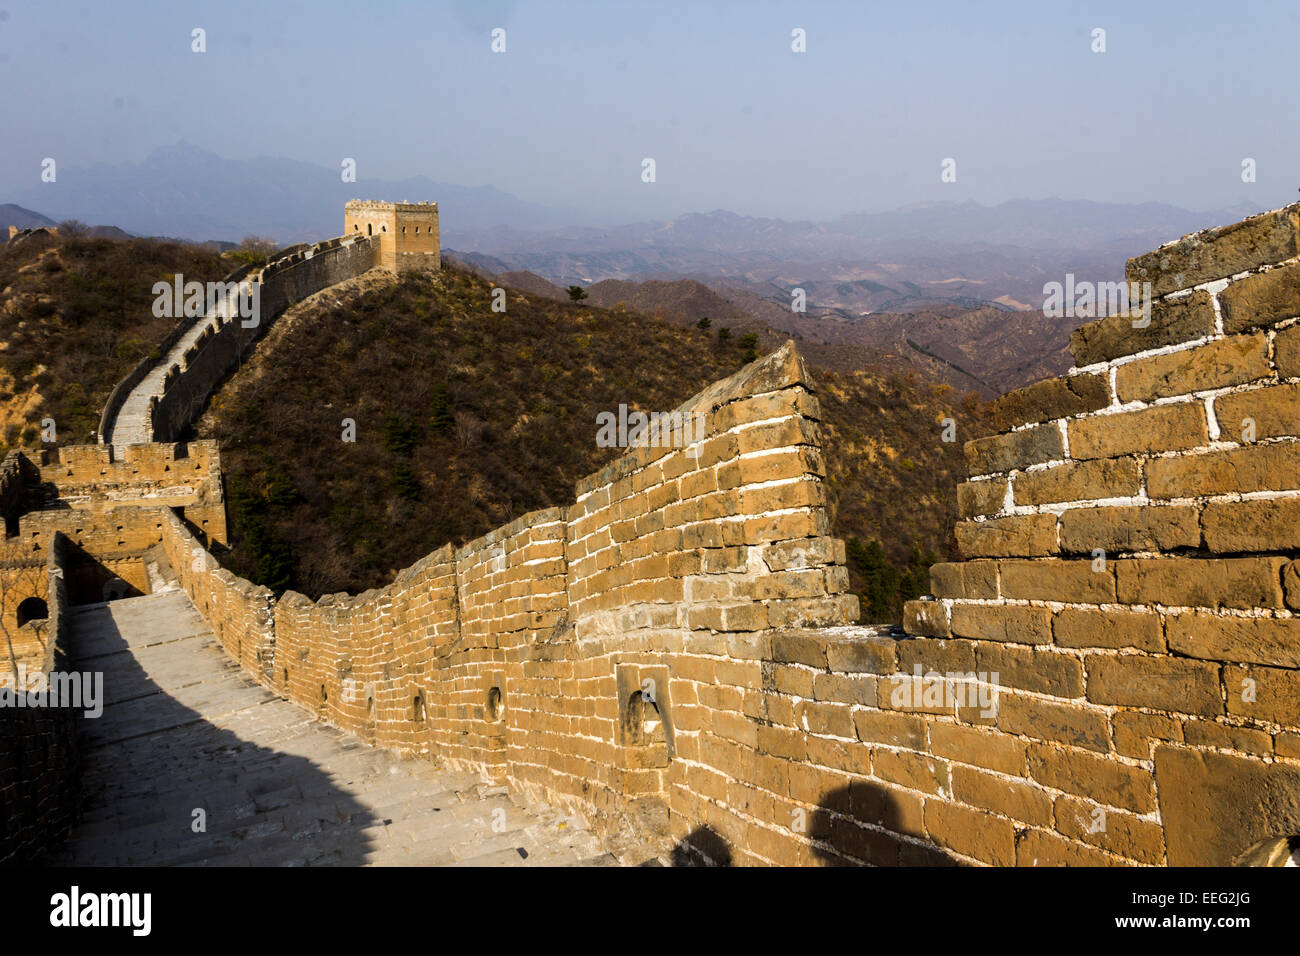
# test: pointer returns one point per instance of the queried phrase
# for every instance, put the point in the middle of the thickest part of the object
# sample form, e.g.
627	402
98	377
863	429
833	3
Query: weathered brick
1291	584
799	647
1108	627
981	497
1050	399
1273	467
1135	732
1234	360
935	655
887	727
866	654
927	618
1219	253
982	836
1042	672
1015	536
983	748
913	770
1159	428
821	717
1120	833
928	694
1286	352
784	742
1030	446
1130	528
1079	481
1102	779
849	689
1273	410
1287	744
1261	524
838	755
1050	720
1244	640
1261	299
1041	848
1172	321
1019	801
1161	683
974	580
1015	624
1056	580
1207	733
1196	582
1263	693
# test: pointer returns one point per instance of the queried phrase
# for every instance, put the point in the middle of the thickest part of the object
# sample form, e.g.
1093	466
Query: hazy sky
712	91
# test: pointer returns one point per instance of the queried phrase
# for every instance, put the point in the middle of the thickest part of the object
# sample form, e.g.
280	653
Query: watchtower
407	232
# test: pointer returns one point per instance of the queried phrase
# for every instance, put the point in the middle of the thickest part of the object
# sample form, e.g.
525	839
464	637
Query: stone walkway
130	426
183	729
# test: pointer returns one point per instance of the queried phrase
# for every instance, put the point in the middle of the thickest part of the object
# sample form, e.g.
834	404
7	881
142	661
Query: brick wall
283	282
1130	541
525	653
39	763
161	475
1110	677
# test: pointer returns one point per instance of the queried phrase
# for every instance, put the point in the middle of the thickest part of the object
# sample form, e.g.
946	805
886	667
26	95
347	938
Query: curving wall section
1111	677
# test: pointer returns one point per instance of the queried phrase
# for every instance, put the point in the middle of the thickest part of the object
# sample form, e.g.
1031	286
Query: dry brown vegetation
76	315
466	419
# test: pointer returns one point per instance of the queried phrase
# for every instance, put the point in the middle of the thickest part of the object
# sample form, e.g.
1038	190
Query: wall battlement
1073	693
1110	677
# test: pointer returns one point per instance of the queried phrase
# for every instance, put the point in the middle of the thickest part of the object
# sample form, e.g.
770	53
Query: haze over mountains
952	287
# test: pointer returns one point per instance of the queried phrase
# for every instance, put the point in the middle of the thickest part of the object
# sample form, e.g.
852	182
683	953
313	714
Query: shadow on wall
150	761
91	581
703	846
862	823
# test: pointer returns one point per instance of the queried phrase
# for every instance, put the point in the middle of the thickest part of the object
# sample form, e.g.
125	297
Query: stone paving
183	729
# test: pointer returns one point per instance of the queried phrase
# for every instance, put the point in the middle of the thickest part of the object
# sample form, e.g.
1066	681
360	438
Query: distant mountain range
190	193
954	287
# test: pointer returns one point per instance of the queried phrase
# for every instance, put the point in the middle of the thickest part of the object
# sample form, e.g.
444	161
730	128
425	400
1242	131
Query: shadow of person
163	784
864	823
703	846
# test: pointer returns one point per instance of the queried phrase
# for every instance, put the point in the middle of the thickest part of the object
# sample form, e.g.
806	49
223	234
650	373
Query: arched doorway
32	609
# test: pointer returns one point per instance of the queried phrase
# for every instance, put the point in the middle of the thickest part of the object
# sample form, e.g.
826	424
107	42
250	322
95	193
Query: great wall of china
1110	677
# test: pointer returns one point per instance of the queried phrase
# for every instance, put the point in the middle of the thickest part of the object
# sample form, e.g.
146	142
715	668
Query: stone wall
1130	543
137	375
185	476
1110	677
220	349
526	652
39	763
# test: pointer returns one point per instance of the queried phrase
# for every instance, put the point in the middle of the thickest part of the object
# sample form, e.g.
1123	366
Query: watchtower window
32	609
370	229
